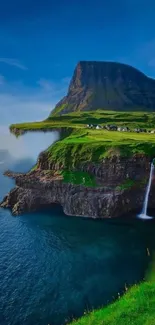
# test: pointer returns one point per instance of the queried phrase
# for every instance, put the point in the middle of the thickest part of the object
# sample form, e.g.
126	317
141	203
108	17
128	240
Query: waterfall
143	214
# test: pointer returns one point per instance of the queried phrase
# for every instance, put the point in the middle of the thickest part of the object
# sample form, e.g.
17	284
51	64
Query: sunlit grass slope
80	119
83	146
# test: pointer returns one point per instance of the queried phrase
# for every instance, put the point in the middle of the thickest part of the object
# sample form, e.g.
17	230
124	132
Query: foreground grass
136	307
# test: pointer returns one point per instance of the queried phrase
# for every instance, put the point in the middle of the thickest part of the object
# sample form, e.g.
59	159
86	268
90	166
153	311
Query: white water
143	214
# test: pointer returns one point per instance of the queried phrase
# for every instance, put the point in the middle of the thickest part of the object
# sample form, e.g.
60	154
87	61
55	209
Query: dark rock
110	198
108	85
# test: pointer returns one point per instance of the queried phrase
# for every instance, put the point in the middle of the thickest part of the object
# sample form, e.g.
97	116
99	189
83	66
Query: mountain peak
107	85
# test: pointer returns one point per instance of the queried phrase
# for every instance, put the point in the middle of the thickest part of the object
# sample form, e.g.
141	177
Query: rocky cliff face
110	198
114	170
107	85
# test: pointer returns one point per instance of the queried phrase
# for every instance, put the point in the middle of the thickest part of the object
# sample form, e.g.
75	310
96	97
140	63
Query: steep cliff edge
120	188
107	86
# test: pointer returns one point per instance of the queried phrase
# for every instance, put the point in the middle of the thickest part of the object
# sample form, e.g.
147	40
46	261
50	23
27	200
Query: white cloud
2	80
20	103
28	146
55	87
151	63
47	85
14	62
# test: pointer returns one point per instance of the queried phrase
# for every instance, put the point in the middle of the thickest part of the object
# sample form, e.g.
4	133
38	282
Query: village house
112	127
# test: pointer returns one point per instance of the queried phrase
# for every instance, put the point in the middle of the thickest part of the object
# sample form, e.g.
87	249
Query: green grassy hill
81	119
93	145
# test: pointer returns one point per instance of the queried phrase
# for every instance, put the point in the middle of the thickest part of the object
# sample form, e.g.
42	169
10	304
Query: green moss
78	178
58	110
127	184
34	168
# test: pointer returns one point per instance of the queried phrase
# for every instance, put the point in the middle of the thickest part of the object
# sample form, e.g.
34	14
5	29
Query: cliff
92	171
89	172
120	188
107	86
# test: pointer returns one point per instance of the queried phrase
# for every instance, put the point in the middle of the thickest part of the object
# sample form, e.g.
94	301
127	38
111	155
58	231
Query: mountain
108	86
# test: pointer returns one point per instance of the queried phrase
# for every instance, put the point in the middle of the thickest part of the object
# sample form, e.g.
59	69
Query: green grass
78	178
83	146
128	183
80	119
80	144
136	307
131	119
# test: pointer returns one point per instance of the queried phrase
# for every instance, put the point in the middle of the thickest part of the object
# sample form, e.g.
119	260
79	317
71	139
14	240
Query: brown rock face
114	170
112	197
107	85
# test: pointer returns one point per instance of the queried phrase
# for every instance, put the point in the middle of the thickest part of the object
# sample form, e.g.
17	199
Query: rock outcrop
108	86
111	170
120	189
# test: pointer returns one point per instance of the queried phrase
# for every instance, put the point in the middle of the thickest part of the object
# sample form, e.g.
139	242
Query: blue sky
41	42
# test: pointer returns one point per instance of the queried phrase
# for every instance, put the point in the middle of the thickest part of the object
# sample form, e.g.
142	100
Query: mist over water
20	154
29	145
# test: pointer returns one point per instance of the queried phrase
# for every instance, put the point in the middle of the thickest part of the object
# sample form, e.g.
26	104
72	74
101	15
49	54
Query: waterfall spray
143	214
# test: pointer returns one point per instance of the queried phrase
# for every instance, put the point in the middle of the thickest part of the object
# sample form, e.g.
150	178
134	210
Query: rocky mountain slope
108	86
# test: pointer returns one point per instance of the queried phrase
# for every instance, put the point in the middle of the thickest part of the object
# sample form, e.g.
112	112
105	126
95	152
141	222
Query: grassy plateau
93	145
82	144
80	119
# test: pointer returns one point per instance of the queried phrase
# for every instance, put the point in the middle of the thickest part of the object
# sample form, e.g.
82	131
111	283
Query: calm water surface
54	267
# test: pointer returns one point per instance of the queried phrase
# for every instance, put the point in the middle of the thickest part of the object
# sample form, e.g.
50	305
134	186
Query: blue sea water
54	267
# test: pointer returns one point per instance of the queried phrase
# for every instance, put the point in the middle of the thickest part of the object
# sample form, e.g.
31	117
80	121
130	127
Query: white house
120	129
